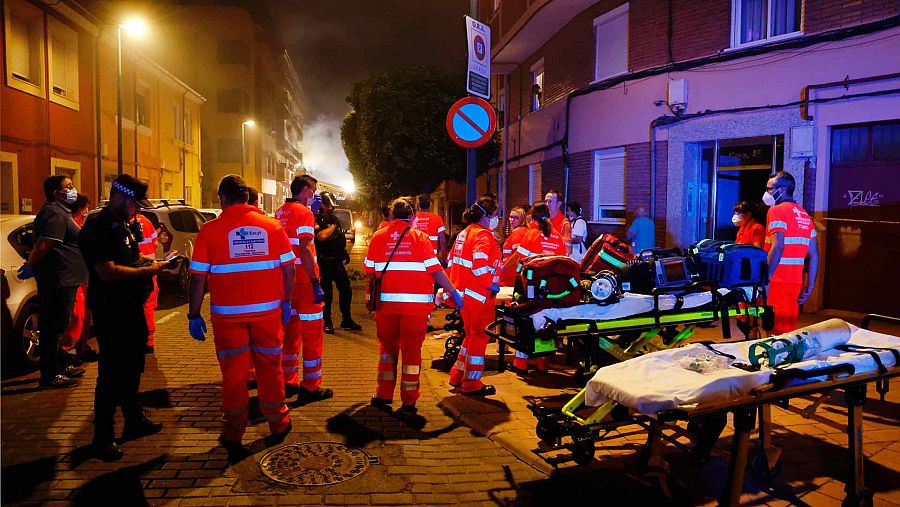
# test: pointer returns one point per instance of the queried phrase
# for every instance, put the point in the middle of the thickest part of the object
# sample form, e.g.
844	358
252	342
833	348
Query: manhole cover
314	463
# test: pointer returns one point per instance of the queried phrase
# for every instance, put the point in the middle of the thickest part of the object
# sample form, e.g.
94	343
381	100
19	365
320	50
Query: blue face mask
71	195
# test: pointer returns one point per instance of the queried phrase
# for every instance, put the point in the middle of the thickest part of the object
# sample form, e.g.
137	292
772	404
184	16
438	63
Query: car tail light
164	237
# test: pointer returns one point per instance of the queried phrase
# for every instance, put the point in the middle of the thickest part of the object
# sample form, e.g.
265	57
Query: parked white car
20	326
210	213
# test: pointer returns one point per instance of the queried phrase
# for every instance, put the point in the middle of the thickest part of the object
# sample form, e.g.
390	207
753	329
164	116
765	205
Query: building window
760	20
230	101
866	144
68	168
188	128
176	123
609	186
141	109
611	43
231	52
537	85
24	26
535	172
228	150
63	64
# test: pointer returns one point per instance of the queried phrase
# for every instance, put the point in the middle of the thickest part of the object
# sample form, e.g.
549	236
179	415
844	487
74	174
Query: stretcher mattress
655	382
629	306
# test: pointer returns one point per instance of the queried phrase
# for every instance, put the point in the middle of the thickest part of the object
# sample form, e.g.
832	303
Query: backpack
607	253
588	239
729	264
547	281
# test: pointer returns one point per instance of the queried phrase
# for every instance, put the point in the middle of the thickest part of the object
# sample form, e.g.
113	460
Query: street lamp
248	123
136	27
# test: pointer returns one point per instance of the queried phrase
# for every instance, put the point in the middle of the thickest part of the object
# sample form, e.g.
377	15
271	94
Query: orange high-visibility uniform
148	249
751	232
508	273
242	252
787	280
383	224
431	224
564	227
305	333
407	297
474	263
534	243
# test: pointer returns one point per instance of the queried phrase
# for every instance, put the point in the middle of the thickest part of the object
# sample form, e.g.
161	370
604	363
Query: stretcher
654	391
635	325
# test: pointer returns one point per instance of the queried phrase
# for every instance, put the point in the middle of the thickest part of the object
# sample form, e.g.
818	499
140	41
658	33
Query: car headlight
357	224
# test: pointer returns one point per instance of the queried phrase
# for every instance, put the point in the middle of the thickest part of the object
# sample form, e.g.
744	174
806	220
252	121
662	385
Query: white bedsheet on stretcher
655	382
630	305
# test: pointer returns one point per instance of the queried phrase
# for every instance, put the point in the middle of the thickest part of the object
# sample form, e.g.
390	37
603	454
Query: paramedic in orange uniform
247	262
432	225
408	272
554	200
474	263
544	240
147	244
750	231
304	334
75	336
790	238
518	227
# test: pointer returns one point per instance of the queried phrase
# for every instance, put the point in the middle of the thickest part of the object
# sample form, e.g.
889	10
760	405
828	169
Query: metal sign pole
471	156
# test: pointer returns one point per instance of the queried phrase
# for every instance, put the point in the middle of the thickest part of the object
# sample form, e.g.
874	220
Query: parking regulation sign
478	75
471	122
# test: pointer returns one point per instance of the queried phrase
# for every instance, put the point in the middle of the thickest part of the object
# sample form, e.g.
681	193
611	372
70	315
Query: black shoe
235	449
409	409
73	371
305	396
70	359
148	349
58	382
350	325
277	438
107	452
329	329
485	390
291	390
381	403
141	428
88	356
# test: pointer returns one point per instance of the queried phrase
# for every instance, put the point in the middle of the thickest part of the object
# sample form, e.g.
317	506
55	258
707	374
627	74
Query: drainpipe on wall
653	171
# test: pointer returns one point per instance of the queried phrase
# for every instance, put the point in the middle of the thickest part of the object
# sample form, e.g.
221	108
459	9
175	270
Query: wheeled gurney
653	391
633	326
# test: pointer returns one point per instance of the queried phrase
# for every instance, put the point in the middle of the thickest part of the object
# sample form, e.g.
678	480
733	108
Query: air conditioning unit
677	95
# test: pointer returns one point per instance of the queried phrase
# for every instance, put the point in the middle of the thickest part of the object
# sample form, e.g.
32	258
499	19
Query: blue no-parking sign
471	122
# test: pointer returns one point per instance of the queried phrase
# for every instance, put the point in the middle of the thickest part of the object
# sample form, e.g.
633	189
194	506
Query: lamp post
248	123
134	26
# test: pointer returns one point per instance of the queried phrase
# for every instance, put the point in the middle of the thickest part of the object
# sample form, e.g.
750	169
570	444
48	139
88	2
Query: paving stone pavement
469	452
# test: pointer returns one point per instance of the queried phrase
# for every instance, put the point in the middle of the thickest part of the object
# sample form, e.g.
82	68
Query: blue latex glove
457	298
285	312
316	204
318	293
197	328
25	272
494	288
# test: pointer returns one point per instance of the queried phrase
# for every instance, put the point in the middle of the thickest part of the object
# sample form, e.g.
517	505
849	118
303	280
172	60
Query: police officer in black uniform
331	250
120	282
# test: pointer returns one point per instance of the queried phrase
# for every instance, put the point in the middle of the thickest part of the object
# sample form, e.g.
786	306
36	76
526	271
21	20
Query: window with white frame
24	26
611	43
537	85
63	53
188	130
141	108
762	20
177	124
501	104
535	193
609	186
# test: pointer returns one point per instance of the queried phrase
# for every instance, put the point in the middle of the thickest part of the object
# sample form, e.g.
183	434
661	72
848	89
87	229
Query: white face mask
768	199
71	195
736	220
493	223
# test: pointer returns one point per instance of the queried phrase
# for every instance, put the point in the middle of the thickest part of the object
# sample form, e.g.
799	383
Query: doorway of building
863	236
734	170
8	193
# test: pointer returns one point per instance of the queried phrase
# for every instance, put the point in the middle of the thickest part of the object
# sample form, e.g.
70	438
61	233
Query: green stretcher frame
651	324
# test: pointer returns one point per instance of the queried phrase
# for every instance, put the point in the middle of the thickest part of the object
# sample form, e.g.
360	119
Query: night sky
336	42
